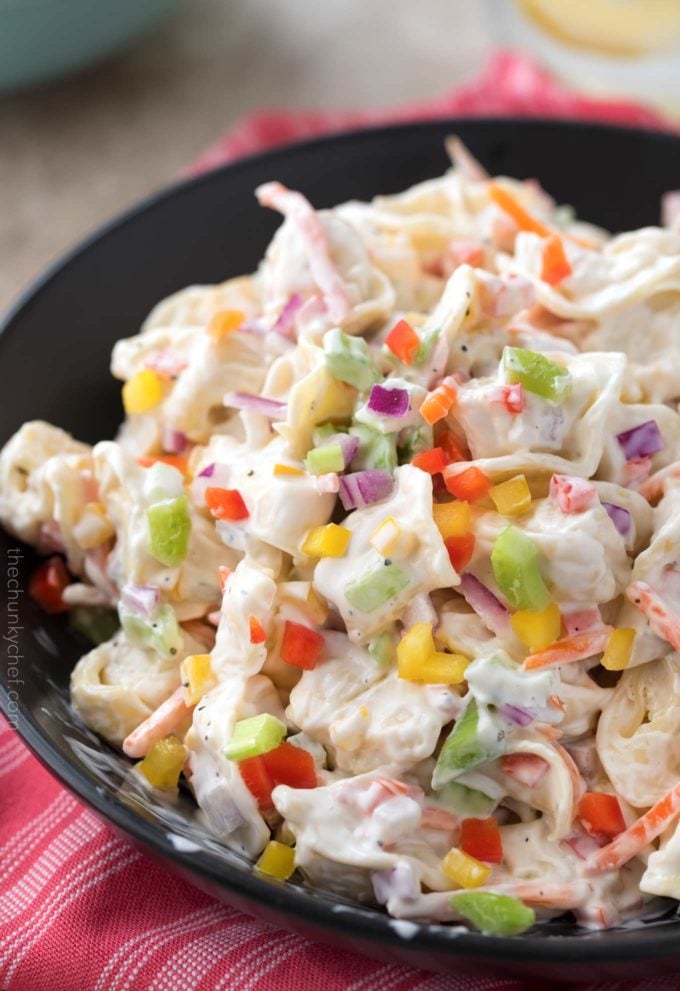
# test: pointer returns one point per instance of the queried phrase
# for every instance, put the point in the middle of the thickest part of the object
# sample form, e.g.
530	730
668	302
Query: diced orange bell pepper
403	341
481	839
437	403
470	485
301	646
47	583
178	461
225	322
226	504
257	633
555	265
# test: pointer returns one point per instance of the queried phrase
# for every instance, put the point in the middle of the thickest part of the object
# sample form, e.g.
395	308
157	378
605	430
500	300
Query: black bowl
54	354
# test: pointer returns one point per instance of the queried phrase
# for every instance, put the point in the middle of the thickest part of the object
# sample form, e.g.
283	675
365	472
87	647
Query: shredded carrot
576	648
524	220
661	619
555	264
629	843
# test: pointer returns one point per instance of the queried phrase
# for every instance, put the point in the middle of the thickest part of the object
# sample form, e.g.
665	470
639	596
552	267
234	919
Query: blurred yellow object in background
617	27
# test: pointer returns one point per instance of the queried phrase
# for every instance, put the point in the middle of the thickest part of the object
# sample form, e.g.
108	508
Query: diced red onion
490	610
641	441
212	476
328	482
348	444
141	599
399	882
581	620
528	769
515	714
388	402
173	441
363	488
620	517
285	323
583	846
272	408
221	809
166	362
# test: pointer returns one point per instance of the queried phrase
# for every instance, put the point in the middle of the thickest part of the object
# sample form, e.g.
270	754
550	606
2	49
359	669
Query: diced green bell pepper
349	360
377	587
464	747
161	632
169	529
255	736
496	915
96	623
514	559
466	802
383	649
376	450
537	374
325	459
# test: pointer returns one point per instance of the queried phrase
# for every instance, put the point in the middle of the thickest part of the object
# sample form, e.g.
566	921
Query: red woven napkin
80	909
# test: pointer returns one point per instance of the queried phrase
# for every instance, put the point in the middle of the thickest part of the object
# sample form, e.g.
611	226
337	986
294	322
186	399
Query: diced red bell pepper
512	397
291	765
469	485
432	461
226	504
601	815
481	839
258	781
460	550
47	583
555	265
449	445
257	634
178	461
301	646
403	341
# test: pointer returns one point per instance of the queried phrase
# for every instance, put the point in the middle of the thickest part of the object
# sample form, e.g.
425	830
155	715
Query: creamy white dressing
312	638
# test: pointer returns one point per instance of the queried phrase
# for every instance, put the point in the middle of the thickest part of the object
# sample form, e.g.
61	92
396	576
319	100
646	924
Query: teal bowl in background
43	39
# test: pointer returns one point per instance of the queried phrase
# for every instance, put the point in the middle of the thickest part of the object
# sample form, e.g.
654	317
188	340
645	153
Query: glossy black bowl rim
346	919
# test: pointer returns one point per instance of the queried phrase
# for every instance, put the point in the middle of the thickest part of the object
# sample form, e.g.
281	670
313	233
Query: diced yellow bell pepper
225	322
453	519
537	629
326	541
94	527
162	765
303	596
443	669
197	677
280	469
390	540
512	497
464	870
414	650
619	650
277	860
142	392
